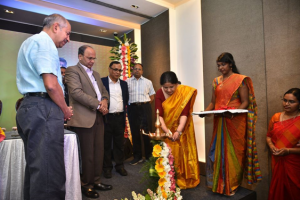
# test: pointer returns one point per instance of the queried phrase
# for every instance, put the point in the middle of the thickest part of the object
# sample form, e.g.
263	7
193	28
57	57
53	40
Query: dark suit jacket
125	94
82	96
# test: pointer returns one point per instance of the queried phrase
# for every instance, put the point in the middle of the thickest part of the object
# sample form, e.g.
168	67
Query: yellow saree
184	150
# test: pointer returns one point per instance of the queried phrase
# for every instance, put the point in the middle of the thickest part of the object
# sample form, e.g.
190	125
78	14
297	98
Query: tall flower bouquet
124	52
161	166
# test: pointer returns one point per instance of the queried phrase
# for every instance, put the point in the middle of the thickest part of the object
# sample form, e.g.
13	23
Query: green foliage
151	182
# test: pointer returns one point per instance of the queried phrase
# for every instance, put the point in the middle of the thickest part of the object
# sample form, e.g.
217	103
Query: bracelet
231	116
180	132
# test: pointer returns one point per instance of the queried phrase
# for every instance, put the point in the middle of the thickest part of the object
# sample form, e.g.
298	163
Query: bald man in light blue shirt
40	118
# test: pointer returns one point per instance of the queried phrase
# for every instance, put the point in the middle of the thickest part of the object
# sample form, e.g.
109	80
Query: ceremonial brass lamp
159	134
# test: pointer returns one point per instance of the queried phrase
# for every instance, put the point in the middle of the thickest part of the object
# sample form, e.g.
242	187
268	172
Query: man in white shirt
115	120
141	94
89	100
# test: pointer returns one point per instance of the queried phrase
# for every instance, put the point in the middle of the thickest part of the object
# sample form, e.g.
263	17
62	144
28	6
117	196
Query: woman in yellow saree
232	149
175	104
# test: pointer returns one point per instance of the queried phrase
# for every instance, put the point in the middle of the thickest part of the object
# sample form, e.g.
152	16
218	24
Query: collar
139	78
86	68
110	81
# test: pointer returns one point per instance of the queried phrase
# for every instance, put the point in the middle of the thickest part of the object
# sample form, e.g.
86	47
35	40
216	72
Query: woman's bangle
180	132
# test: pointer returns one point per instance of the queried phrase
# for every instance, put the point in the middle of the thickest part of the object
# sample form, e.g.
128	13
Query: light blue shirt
140	89
38	55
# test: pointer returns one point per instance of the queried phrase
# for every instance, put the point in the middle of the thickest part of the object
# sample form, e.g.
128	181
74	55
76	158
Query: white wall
186	58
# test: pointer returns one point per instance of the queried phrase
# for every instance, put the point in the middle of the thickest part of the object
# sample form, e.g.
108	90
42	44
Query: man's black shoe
107	173
102	186
136	161
90	192
122	171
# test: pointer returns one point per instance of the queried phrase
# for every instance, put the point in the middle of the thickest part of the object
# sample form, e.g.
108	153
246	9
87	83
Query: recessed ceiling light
8	11
135	6
103	30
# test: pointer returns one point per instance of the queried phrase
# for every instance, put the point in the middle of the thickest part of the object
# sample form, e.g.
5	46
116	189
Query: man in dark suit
89	100
115	120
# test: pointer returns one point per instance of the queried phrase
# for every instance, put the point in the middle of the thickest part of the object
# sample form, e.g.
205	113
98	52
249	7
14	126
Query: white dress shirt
93	80
115	96
140	89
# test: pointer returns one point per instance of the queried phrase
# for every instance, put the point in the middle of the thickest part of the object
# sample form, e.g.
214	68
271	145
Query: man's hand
68	113
103	107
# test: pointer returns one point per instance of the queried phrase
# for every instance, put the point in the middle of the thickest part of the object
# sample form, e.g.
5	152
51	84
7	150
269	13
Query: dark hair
51	19
228	58
114	62
168	77
295	92
82	49
139	64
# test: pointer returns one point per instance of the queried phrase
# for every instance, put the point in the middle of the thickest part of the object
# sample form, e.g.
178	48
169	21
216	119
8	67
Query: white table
12	168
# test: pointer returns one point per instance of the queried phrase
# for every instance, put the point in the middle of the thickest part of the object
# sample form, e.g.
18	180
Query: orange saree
233	148
184	150
285	182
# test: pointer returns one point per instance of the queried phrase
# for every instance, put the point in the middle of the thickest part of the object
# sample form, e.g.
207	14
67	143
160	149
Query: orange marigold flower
159	168
162	181
155	155
164	194
162	174
157	149
159	161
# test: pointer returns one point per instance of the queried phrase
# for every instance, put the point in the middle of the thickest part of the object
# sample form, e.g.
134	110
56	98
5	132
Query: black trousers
140	117
114	135
92	151
40	123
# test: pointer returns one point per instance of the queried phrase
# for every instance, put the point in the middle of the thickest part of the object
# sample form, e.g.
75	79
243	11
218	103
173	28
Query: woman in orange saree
175	104
232	149
282	138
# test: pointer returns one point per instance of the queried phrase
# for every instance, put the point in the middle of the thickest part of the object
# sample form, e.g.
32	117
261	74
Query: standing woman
175	104
232	149
282	138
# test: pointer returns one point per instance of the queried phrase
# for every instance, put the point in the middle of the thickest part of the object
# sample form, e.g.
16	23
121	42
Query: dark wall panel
156	49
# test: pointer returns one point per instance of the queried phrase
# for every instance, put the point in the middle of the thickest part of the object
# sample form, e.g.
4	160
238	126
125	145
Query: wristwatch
104	98
180	132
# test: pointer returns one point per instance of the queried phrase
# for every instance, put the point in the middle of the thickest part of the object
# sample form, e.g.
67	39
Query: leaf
118	39
125	38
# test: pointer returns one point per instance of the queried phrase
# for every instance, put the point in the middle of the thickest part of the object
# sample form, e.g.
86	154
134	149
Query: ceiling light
103	30
9	11
135	6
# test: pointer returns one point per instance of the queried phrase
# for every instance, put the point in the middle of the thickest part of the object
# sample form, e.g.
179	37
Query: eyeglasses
289	101
138	69
90	58
116	70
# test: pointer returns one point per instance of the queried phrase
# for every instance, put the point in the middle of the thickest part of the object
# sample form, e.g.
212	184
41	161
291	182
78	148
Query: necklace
223	81
290	117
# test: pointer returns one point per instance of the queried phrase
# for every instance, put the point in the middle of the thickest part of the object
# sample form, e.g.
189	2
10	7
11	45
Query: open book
220	111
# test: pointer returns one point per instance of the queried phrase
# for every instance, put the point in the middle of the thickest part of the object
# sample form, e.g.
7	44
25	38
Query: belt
138	103
116	113
37	94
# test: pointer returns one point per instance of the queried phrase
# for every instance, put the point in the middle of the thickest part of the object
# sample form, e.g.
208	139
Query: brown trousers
92	151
